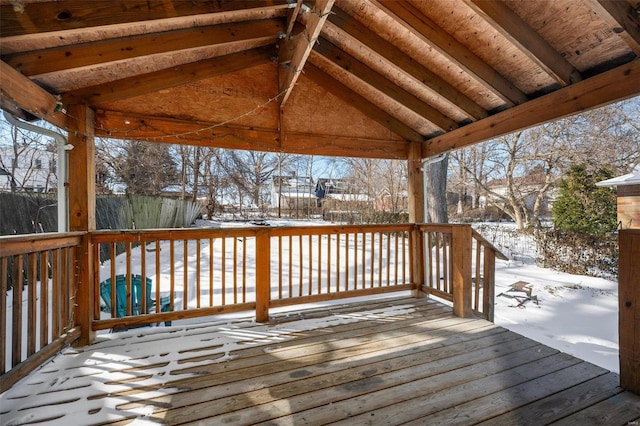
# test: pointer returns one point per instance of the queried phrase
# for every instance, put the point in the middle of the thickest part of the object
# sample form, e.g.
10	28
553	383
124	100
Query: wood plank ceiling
331	77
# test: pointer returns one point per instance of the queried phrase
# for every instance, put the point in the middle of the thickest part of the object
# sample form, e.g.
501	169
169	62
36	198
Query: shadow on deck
387	361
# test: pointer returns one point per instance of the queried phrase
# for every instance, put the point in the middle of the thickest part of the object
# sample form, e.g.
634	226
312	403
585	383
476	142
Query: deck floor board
389	361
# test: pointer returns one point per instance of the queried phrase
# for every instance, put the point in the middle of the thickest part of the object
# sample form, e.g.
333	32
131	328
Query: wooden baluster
4	273
32	278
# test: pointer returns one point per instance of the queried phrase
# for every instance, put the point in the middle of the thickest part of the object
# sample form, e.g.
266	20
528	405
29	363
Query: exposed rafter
518	32
387	73
291	19
21	93
623	19
619	83
414	20
88	54
347	62
435	84
363	105
21	19
171	77
302	45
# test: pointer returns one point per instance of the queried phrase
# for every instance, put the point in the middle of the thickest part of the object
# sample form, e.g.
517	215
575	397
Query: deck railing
202	272
39	272
460	268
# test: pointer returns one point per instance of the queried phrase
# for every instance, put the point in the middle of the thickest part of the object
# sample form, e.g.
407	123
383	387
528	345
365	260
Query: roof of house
632	178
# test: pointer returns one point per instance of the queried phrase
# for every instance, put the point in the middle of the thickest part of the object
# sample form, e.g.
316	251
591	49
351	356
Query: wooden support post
629	305
263	275
416	215
82	211
461	258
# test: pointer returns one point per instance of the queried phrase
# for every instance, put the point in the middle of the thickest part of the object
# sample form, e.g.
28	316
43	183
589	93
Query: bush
578	253
583	207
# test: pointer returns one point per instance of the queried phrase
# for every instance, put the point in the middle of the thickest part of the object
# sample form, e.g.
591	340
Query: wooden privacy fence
155	276
460	268
39	272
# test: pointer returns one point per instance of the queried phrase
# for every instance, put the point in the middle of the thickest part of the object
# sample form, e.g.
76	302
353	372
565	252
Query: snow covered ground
574	314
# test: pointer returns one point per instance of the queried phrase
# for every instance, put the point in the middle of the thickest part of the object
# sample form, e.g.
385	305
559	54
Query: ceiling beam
610	86
336	146
171	77
431	81
19	18
118	125
529	42
623	19
302	45
359	102
19	91
380	83
429	32
88	54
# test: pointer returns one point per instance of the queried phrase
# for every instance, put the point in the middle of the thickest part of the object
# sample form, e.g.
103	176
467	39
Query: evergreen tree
581	206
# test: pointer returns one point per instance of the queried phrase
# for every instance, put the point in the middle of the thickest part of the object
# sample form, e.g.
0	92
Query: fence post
461	258
263	275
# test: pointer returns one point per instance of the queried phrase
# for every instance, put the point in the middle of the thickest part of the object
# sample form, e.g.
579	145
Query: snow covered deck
385	361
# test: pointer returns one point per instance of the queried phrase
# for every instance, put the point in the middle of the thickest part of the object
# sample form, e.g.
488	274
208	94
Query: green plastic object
136	296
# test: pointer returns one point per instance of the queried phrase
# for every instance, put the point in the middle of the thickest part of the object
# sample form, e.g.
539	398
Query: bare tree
28	160
518	172
249	171
145	168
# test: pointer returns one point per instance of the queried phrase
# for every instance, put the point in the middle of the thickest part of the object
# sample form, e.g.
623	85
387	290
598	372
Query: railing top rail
203	233
486	243
29	243
337	229
173	234
441	227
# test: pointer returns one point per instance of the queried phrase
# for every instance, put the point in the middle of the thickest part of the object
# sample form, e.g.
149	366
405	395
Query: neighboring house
34	170
528	187
328	186
292	192
396	202
628	198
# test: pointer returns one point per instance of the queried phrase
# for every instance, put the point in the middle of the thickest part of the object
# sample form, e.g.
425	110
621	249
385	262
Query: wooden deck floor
392	361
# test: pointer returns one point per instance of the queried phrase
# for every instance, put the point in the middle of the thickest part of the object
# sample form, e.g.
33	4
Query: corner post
416	215
82	210
461	258
263	275
629	308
